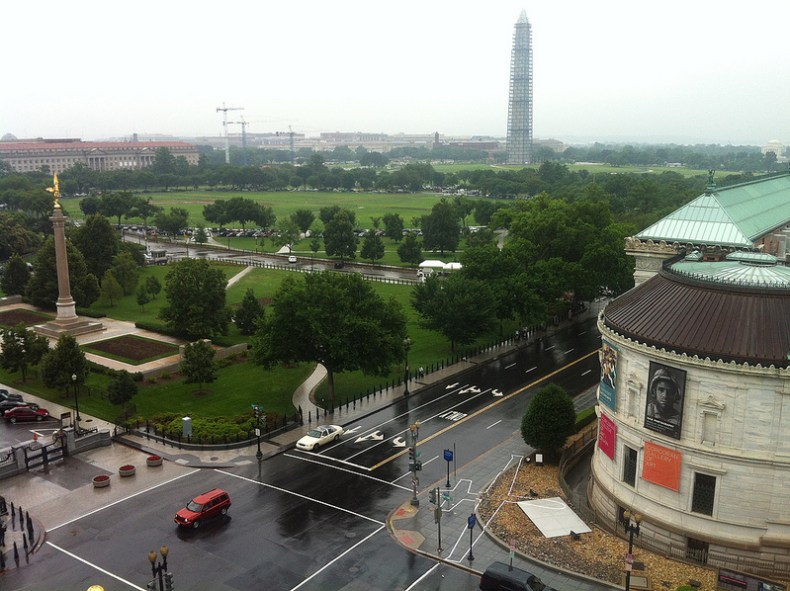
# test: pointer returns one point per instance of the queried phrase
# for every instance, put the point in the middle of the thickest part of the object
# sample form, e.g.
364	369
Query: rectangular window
704	494
629	465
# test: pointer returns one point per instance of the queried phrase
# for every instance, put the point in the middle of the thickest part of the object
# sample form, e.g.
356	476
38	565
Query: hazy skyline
668	72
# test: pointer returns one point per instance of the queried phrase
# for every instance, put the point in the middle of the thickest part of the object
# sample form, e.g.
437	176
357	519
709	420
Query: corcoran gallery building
694	399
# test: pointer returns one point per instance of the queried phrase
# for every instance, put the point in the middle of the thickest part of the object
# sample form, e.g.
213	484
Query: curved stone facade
711	475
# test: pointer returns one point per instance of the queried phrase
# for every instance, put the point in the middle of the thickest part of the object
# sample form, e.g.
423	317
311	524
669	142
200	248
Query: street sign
448	455
629	558
472	521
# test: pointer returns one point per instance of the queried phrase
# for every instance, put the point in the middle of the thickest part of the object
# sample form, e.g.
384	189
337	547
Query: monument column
67	321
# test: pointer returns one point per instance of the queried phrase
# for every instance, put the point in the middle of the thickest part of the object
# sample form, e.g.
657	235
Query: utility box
186	427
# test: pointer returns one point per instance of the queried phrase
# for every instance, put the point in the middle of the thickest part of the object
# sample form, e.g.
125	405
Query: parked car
6	395
319	436
204	506
27	412
501	577
11	403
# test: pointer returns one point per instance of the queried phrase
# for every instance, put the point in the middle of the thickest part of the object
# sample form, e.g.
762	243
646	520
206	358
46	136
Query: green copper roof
736	273
735	216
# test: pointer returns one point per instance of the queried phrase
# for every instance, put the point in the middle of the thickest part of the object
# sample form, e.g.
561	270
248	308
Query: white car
292	259
319	436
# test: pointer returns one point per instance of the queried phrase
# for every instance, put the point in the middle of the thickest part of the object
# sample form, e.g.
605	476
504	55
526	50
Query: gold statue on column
55	190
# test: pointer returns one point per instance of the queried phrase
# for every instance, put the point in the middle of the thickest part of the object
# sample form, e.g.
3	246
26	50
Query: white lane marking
531	369
586	372
494	424
150	488
94	566
368	476
509	366
549	348
328	564
566	352
301	496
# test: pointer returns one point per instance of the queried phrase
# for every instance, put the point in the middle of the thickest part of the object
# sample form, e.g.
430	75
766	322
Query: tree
410	251
15	236
333	319
288	233
196	299
116	205
21	348
549	420
61	363
339	237
200	236
153	286
217	213
126	271
393	226
248	313
143	297
111	289
441	230
98	242
173	223
460	309
303	218
198	365
372	248
15	277
121	389
43	285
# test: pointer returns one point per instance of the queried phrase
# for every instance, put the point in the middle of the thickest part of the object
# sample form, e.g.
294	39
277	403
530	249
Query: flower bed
153	461
101	481
127	470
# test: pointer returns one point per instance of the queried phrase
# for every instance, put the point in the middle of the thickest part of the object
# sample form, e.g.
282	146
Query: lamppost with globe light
406	347
160	570
76	401
632	521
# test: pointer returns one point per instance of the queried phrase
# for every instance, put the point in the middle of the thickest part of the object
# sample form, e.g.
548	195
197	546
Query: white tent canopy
452	266
431	265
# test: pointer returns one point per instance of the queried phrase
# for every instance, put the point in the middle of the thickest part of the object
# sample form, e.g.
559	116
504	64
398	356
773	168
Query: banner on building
665	391
608	389
607	435
662	465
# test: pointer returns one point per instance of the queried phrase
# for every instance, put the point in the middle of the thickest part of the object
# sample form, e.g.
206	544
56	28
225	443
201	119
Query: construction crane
225	110
244	125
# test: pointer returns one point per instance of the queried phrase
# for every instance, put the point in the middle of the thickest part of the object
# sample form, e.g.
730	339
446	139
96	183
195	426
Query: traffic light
432	495
169	582
415	465
151	586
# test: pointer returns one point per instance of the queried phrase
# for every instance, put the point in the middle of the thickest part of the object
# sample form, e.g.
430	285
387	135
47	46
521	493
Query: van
501	577
204	506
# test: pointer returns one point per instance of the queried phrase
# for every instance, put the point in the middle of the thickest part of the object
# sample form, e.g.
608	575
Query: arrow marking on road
375	436
398	442
354	430
498	393
451	386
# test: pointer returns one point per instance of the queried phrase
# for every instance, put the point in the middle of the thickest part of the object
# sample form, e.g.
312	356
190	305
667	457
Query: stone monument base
72	326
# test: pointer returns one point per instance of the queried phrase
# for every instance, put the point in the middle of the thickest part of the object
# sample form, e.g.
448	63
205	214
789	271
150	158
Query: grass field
242	383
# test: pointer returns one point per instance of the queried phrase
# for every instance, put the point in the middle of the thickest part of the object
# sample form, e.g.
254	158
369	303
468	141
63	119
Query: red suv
209	504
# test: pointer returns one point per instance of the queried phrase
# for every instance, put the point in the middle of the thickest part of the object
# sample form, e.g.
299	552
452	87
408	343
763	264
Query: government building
694	398
57	155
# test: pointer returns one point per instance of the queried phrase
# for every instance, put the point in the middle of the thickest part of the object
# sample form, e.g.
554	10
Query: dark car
338	265
204	506
27	412
501	577
11	403
6	395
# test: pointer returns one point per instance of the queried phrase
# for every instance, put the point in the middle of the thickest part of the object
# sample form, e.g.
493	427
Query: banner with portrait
608	388
665	392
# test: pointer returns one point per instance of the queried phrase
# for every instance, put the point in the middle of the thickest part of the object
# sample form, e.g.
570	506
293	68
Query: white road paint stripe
368	476
586	372
328	564
549	348
494	424
531	369
509	366
301	496
566	352
98	568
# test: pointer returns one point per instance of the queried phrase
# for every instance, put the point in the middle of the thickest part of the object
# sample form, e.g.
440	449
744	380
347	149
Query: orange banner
661	466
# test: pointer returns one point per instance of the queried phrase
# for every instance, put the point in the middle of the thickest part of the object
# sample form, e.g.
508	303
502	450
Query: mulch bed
16	316
134	348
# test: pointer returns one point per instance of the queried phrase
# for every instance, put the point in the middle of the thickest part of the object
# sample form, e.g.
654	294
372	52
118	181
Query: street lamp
632	521
160	570
406	347
76	400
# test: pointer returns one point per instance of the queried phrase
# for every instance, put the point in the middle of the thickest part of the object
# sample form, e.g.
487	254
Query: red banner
607	435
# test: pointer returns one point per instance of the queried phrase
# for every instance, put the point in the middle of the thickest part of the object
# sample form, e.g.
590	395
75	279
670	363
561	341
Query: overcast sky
694	71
